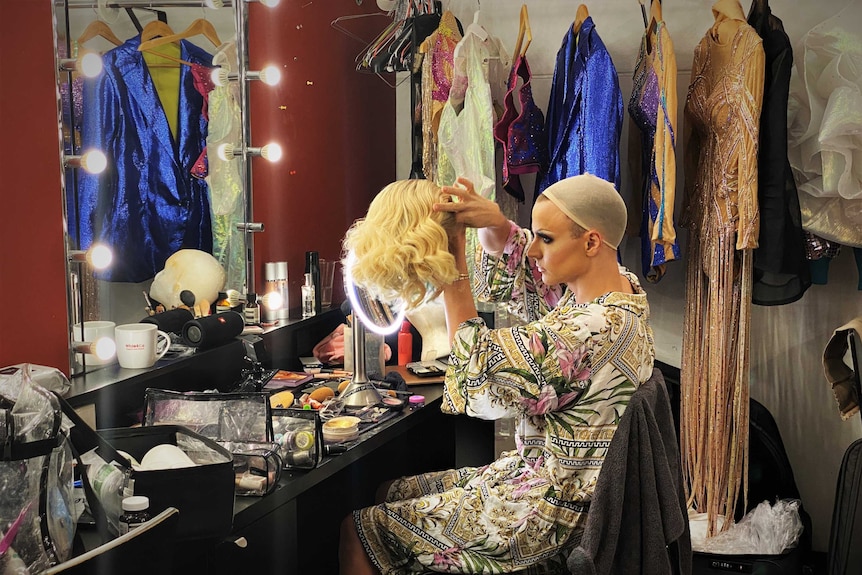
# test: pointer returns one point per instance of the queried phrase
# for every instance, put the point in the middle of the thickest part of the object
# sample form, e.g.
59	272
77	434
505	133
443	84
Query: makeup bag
223	417
37	518
299	435
256	466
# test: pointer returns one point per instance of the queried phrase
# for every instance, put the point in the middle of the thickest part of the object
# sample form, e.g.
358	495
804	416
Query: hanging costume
824	137
227	200
437	71
585	111
466	133
652	107
723	109
567	378
522	134
146	205
781	273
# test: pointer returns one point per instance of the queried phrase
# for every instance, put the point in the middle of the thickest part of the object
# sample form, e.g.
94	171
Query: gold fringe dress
723	112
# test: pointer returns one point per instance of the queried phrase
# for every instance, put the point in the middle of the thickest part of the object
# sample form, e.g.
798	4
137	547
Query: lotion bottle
308	297
405	344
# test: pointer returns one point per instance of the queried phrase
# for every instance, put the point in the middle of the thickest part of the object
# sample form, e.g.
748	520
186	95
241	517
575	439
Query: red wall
335	125
33	327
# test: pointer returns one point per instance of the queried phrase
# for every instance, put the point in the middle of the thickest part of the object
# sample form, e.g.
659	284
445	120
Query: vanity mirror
159	88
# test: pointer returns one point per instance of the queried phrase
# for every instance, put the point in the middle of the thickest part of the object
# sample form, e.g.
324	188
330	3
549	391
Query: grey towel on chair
638	522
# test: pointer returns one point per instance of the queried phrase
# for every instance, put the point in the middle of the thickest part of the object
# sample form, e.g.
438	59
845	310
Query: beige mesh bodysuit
722	111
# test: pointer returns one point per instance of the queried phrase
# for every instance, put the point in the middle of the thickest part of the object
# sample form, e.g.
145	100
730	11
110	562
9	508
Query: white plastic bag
765	530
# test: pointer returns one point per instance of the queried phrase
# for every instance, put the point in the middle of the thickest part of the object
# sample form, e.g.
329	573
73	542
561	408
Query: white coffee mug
94	331
140	345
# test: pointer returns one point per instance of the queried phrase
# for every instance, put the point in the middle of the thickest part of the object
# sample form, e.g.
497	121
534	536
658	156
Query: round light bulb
91	64
270	75
219	76
100	256
215	4
105	348
271	152
225	152
273	300
94	161
270	3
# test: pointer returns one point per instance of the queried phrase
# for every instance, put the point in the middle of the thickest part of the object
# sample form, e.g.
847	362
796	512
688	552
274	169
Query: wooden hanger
166	57
155	29
581	15
201	26
98	28
523	30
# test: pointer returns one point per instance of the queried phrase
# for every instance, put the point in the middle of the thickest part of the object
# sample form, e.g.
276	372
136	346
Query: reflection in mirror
369	314
146	112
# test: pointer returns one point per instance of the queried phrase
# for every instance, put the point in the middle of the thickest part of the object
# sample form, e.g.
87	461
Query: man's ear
594	242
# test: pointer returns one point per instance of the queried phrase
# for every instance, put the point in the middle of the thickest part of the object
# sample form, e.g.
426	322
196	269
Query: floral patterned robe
567	379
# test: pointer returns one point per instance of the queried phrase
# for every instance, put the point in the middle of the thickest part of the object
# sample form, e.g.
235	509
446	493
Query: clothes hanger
474	28
98	28
337	24
155	29
581	15
201	26
523	30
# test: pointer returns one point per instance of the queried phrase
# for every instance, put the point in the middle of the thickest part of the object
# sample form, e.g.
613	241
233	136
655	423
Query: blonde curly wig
401	247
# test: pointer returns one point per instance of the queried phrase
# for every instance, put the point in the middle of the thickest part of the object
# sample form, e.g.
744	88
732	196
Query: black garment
638	521
781	272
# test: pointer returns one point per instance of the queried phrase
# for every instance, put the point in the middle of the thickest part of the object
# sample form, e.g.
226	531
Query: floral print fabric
567	380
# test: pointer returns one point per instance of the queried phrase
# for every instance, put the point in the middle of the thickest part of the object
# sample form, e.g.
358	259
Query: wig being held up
401	247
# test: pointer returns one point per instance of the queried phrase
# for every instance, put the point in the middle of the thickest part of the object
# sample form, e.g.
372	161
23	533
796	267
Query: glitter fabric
525	148
585	110
437	72
723	109
825	143
652	107
146	205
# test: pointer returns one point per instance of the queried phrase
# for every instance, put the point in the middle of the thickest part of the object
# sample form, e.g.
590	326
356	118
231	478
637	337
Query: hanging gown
146	205
227	200
585	111
825	143
652	107
723	109
781	273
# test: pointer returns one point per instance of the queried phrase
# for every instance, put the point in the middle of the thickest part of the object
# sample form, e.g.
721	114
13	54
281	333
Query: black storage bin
788	563
204	494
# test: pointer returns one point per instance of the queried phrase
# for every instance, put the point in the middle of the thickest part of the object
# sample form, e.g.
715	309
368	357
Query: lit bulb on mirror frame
271	152
273	300
94	161
105	348
219	76
91	64
225	152
215	4
269	3
270	75
99	256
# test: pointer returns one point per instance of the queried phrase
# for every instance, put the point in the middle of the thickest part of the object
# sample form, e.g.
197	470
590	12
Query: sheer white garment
225	178
825	135
466	134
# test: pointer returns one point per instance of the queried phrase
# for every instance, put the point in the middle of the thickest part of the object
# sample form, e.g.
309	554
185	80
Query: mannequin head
401	247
